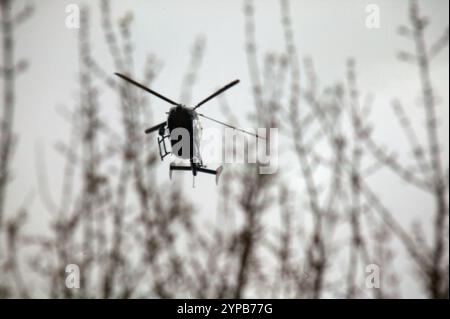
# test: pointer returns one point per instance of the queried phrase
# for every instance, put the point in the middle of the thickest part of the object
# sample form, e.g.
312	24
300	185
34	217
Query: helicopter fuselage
181	117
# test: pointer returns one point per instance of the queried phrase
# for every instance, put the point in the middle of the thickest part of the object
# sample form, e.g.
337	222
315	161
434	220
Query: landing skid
196	168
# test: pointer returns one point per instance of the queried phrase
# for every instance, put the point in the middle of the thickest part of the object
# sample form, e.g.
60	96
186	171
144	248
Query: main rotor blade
154	128
226	87
146	89
230	126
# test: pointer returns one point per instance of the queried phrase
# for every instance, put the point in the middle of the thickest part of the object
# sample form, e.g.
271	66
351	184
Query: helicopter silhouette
186	119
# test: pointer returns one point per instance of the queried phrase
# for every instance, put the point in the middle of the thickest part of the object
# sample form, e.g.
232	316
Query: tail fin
218	172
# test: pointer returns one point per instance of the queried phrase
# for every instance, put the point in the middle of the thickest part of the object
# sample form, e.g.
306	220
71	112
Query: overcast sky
327	30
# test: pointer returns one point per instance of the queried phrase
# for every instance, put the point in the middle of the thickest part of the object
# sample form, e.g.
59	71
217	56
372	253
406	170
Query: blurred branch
8	72
197	53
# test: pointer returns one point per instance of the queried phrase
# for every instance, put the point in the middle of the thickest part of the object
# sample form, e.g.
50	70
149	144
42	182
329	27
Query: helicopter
187	119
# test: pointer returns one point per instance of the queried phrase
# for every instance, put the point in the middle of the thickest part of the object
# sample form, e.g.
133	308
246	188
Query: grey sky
329	31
